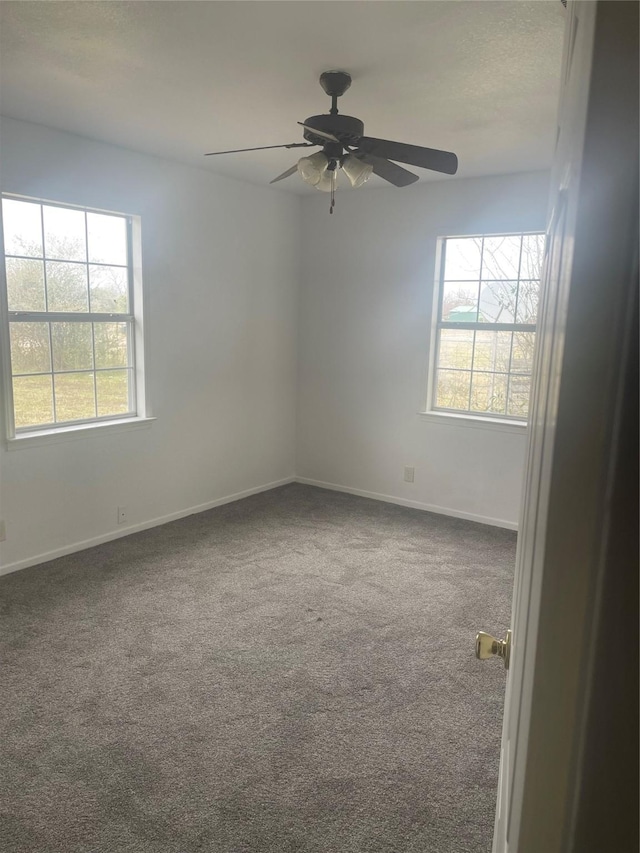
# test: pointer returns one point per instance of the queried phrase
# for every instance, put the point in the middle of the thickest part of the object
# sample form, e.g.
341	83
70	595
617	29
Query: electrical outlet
3	531
122	514
409	474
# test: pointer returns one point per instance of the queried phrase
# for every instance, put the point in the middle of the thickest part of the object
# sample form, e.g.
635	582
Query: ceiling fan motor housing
346	128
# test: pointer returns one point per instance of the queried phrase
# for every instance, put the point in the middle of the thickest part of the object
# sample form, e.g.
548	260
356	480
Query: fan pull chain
334	175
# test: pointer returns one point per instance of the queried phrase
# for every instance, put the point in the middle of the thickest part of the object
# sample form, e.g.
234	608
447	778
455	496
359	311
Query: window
485	325
71	316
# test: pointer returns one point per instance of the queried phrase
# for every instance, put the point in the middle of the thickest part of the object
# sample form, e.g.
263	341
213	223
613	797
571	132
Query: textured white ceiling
177	79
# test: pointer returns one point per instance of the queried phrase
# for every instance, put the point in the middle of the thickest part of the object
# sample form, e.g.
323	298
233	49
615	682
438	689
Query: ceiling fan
345	148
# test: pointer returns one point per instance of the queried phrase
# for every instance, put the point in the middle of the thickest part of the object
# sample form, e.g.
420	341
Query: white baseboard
135	528
193	510
440	510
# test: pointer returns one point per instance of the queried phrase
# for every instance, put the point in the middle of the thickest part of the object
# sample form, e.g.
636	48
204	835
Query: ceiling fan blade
414	155
285	174
391	172
321	133
263	148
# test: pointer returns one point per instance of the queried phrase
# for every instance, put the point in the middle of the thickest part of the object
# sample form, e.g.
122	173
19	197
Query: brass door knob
489	647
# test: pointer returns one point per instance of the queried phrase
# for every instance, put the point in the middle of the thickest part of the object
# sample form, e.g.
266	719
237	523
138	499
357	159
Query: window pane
456	348
32	400
498	301
64	233
532	256
452	390
72	346
522	352
492	351
519	390
113	392
59	260
489	393
528	296
22	226
30	351
460	302
501	257
107	238
25	285
75	398
108	289
67	287
487	281
111	344
462	259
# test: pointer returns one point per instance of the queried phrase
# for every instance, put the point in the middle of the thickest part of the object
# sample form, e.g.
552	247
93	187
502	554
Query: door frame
577	474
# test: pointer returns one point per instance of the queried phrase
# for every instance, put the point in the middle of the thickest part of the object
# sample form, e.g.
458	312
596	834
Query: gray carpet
291	672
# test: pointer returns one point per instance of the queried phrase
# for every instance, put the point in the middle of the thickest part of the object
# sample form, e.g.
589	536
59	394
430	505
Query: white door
580	347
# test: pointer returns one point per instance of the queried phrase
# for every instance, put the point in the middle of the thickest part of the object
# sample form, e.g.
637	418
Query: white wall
220	263
236	278
365	300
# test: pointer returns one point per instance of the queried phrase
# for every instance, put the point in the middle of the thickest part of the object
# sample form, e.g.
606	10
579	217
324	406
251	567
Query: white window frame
458	417
139	414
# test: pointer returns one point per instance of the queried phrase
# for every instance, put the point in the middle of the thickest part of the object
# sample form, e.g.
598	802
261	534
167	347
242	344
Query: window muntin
485	325
70	311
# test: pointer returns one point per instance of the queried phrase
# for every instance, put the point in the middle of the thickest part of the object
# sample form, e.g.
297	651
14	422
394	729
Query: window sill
473	422
71	433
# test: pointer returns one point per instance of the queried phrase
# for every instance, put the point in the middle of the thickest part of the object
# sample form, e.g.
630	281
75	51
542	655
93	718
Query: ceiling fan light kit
312	167
345	148
356	170
328	184
317	169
